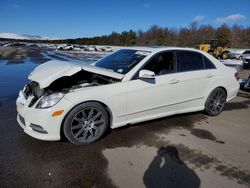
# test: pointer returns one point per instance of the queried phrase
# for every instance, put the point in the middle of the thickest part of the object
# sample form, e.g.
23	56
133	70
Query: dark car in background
246	62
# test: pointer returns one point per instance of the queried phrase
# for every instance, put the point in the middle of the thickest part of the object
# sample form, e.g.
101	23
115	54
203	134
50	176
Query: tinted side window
247	52
162	63
189	61
208	64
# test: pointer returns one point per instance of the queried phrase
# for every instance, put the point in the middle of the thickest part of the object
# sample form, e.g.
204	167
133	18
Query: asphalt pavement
189	150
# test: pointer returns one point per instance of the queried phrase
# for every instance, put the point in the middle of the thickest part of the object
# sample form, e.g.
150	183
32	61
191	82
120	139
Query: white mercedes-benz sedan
128	86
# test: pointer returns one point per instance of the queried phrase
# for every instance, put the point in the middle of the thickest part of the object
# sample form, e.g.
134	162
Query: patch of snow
236	51
24	37
232	62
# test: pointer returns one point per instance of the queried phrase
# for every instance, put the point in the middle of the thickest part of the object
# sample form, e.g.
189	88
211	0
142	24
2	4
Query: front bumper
39	123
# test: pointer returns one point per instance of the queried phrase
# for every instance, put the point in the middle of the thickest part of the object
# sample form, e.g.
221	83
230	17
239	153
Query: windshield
122	61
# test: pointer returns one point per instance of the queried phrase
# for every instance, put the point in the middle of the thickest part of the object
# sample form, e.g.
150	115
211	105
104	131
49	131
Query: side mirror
146	74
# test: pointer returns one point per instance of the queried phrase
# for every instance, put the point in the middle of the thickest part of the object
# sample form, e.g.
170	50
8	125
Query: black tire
86	123
215	102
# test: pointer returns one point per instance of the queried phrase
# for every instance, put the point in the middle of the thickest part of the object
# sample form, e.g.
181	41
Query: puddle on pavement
237	105
146	133
12	78
72	165
244	94
203	162
242	177
182	135
205	134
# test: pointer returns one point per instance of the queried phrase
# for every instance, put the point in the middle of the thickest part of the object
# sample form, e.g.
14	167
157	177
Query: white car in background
90	48
65	47
68	47
239	53
126	87
106	49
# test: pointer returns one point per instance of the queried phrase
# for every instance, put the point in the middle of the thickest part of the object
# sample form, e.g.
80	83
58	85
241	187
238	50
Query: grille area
38	128
33	89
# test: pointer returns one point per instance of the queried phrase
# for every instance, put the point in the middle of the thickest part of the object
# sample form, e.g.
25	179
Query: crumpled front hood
50	71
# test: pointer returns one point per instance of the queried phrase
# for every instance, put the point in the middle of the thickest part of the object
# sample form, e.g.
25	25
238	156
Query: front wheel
86	123
215	102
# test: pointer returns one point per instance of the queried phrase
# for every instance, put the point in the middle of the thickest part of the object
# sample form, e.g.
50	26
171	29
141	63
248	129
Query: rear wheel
215	102
86	123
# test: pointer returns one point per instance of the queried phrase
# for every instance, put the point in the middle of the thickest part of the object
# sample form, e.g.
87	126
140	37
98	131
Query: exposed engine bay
67	84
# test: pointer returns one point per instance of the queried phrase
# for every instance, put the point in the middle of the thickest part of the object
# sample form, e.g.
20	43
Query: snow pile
232	62
24	37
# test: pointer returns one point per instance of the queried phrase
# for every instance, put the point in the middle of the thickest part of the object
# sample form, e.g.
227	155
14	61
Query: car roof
238	51
155	49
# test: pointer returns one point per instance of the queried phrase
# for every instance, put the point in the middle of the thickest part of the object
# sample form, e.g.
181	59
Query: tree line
232	37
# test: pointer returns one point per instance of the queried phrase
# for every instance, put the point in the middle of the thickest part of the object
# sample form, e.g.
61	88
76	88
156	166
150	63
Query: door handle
174	81
209	75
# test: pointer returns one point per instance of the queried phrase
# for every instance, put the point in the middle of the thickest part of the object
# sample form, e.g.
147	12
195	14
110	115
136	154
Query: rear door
195	73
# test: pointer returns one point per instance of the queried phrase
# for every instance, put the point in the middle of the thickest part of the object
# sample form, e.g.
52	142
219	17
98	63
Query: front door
150	98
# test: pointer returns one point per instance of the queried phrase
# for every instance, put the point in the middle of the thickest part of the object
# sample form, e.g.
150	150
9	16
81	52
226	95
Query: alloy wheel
87	124
217	102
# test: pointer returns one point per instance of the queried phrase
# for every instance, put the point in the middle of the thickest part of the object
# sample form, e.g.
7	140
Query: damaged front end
67	77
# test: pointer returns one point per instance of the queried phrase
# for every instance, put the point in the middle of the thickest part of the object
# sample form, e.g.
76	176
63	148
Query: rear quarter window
208	64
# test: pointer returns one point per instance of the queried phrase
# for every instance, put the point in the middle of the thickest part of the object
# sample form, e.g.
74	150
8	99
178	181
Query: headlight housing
49	100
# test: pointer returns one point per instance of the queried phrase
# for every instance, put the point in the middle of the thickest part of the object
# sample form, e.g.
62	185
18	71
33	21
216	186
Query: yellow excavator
211	47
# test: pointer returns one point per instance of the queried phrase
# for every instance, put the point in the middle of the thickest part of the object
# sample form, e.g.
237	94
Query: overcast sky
81	18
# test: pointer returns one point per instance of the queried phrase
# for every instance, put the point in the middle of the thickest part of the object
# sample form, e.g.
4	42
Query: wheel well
216	88
104	105
223	89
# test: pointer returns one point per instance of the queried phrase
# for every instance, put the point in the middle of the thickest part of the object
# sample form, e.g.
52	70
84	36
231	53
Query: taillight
237	76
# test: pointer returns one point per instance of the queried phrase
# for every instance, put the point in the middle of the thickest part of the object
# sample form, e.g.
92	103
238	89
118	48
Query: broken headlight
49	100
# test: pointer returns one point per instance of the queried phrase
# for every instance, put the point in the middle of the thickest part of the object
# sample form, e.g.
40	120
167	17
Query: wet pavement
26	161
190	150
